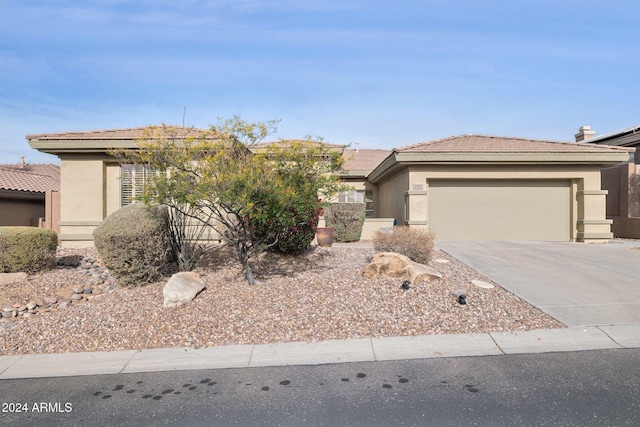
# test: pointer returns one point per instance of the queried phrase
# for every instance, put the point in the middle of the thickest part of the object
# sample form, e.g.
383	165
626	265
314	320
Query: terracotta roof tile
32	178
128	133
363	159
495	144
287	143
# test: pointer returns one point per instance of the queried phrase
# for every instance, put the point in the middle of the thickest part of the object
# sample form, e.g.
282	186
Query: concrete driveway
578	284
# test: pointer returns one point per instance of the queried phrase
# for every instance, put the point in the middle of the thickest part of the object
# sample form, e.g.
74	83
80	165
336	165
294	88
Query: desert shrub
415	243
134	243
294	238
346	219
185	232
27	249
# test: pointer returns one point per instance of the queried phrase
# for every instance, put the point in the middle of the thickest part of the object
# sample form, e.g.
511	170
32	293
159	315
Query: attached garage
475	187
527	210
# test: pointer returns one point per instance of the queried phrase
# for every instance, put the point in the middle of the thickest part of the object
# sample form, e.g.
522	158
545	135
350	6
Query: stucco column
82	200
416	200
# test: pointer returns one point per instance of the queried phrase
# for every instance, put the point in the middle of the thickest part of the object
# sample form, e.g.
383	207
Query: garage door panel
500	210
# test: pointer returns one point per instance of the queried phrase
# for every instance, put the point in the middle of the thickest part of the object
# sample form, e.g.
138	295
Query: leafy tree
251	194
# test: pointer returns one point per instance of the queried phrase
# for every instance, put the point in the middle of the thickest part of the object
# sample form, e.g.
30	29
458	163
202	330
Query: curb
323	352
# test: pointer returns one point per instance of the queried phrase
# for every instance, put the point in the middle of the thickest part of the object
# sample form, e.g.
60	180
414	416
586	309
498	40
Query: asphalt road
599	388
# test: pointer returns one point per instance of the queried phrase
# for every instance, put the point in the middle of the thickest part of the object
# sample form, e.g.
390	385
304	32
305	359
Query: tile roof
127	133
363	159
498	144
287	143
32	178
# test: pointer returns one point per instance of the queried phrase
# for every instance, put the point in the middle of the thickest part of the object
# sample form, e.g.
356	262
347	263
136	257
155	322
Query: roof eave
508	157
73	146
399	159
354	173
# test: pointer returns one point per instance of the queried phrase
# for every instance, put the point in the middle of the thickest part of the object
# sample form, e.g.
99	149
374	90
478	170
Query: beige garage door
500	210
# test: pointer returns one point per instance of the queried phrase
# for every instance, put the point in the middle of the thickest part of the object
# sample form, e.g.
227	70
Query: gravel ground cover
319	296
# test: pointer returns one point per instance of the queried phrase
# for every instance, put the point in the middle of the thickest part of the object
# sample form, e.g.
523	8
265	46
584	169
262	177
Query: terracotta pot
324	236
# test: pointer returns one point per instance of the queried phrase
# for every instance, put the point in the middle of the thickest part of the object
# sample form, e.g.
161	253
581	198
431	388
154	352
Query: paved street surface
588	388
578	284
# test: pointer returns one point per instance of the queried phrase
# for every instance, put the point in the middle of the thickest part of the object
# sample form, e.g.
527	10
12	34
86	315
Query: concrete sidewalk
327	352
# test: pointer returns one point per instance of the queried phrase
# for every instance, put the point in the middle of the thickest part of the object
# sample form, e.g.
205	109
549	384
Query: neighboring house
462	188
29	195
621	181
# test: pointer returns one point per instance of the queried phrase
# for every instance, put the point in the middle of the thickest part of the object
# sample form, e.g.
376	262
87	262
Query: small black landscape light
405	285
462	299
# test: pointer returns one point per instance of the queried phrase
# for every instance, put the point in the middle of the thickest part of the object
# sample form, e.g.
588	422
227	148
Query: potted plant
324	236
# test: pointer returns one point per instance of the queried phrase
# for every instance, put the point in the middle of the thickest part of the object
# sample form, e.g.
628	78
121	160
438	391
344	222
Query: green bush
134	243
293	239
27	249
346	219
415	243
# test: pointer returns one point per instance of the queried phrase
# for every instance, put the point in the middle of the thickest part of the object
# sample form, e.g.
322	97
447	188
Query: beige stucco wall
391	197
82	199
112	188
588	203
90	190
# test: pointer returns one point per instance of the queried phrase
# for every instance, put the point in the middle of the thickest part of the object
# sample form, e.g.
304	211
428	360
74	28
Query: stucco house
469	187
29	195
476	187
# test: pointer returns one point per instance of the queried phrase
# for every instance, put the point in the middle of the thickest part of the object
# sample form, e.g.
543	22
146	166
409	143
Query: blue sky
383	73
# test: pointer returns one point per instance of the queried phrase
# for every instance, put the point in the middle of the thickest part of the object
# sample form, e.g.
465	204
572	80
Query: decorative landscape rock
6	278
482	284
100	283
181	288
396	265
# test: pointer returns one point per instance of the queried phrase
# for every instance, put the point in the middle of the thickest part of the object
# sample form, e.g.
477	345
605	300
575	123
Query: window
132	182
358	196
353	196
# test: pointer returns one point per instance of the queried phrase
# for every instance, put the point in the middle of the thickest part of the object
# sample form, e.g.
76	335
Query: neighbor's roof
32	178
625	137
499	144
363	160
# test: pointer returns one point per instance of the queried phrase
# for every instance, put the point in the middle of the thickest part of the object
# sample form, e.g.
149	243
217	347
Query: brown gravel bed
320	296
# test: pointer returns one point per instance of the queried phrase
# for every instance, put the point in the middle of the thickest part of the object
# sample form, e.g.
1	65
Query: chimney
585	133
22	162
357	146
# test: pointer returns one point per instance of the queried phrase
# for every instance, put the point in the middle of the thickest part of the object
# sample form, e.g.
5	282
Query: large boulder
182	288
396	265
